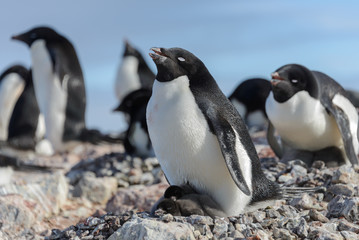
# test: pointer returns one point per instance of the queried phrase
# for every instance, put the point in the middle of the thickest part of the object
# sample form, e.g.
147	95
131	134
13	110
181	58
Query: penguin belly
186	149
51	93
128	79
303	123
11	88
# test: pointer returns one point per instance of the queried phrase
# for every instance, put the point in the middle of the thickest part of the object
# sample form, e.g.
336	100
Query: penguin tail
294	192
96	137
19	165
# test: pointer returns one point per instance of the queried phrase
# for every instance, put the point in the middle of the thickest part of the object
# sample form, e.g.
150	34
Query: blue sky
235	39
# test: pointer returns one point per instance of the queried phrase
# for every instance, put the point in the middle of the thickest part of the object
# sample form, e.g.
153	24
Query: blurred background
235	39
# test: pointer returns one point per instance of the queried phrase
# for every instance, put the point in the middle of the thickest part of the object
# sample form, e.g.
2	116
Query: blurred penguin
249	99
59	88
137	141
12	83
133	73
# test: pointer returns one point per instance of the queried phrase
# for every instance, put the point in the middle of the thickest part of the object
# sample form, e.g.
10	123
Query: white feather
139	139
303	122
241	108
127	79
11	87
51	95
256	118
186	149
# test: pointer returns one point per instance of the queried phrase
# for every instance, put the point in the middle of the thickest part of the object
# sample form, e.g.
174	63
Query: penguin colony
180	115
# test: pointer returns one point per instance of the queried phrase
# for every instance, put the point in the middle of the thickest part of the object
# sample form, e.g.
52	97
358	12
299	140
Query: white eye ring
181	59
294	80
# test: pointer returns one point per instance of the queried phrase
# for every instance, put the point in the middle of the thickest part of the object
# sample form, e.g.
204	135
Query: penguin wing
334	99
272	141
343	119
225	128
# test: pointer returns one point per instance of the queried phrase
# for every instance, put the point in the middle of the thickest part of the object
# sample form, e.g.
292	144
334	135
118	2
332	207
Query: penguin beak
22	38
276	78
157	53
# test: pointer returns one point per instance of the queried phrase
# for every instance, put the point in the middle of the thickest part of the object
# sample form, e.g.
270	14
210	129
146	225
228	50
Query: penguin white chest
127	79
11	87
186	149
303	122
50	92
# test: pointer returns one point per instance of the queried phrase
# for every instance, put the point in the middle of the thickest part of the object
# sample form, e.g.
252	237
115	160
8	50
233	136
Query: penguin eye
181	59
33	35
294	81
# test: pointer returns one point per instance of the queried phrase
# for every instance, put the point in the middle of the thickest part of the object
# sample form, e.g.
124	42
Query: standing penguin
59	87
249	99
133	73
199	137
27	125
12	83
312	115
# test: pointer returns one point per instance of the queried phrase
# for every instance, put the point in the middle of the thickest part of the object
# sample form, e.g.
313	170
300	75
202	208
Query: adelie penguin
59	87
313	117
25	125
12	84
137	141
133	73
199	137
249	99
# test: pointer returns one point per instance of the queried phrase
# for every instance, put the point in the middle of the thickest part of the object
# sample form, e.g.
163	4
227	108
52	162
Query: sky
235	39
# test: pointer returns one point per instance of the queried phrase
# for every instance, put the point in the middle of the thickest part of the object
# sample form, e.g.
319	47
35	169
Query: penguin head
172	63
37	33
133	101
288	80
130	50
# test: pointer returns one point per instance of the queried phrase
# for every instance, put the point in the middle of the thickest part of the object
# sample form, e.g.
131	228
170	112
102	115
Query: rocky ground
102	193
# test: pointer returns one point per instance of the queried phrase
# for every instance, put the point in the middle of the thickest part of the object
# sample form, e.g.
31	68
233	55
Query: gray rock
236	234
167	218
349	235
135	197
302	229
305	202
341	189
271	213
220	227
344	225
323	234
258	216
16	214
317	216
286	178
298	171
288	211
97	190
50	192
197	219
147	178
345	174
284	234
138	228
344	207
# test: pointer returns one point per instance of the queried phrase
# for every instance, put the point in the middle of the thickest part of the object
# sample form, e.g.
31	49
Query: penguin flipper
342	118
272	141
227	141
